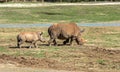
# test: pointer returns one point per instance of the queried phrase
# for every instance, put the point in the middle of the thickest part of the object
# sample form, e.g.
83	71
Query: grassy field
49	14
99	54
98	36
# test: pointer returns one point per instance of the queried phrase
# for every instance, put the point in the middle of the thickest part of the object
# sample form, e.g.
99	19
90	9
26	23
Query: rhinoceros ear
41	33
82	30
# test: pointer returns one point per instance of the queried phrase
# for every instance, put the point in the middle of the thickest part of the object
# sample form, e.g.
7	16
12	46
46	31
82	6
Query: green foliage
40	54
2	49
60	13
101	61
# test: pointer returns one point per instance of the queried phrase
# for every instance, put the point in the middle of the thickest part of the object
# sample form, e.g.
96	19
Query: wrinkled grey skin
65	31
29	37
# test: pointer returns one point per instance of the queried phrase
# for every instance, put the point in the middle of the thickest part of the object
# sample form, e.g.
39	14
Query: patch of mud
106	51
88	59
12	68
103	58
33	62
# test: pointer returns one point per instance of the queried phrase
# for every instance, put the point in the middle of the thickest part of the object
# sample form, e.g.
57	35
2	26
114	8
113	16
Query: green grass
96	36
101	61
80	14
103	36
111	39
96	53
2	49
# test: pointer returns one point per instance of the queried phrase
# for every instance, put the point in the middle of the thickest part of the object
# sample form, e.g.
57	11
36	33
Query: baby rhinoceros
29	37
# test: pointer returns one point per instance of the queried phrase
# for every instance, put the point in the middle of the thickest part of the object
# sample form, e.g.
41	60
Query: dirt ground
94	56
98	60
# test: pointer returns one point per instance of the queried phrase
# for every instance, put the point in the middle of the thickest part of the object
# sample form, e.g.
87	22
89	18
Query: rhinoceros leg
20	43
72	38
55	43
71	44
31	44
52	40
77	41
49	42
35	45
66	41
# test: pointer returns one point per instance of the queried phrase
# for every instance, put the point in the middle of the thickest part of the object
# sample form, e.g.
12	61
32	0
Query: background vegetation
55	0
49	14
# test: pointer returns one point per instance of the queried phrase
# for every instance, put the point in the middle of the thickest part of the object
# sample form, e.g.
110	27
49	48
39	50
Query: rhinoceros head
40	36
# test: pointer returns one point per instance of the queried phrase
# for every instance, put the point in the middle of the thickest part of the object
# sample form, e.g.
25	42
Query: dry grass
97	36
76	58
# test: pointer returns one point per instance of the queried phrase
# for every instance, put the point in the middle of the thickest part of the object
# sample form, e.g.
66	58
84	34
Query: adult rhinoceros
65	31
